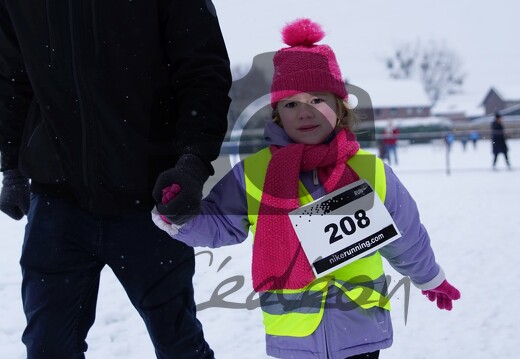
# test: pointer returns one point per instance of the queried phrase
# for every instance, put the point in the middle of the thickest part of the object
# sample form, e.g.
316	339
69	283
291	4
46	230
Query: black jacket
498	138
97	97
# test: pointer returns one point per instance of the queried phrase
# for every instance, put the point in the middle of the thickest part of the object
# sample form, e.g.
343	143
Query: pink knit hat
305	66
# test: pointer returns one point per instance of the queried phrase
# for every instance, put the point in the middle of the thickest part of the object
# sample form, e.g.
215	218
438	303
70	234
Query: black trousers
63	253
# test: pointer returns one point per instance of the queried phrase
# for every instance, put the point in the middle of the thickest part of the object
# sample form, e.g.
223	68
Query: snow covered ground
470	215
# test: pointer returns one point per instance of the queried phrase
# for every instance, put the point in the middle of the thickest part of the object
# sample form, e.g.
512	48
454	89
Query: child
312	152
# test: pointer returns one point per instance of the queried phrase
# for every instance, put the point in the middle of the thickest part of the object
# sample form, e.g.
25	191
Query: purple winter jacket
341	333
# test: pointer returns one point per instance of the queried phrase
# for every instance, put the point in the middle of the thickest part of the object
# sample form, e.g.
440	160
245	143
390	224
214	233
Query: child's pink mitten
169	193
444	294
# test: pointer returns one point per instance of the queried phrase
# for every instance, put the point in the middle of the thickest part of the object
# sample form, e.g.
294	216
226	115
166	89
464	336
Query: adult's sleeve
15	93
201	76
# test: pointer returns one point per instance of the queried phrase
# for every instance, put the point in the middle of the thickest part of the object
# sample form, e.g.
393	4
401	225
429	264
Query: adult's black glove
190	173
15	194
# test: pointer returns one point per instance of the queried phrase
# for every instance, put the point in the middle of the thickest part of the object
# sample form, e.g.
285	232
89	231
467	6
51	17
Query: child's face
308	118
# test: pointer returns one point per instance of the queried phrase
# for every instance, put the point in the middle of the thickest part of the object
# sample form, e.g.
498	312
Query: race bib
343	226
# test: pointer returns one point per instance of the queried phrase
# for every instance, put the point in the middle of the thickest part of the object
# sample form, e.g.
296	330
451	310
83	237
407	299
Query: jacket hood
276	135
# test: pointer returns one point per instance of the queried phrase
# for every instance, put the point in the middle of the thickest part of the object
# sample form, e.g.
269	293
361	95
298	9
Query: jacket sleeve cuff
8	161
434	283
170	228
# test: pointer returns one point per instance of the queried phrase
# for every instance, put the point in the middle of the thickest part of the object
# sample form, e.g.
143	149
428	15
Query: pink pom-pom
302	32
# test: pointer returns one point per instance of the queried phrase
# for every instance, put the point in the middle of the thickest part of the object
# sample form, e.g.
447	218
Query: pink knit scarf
278	258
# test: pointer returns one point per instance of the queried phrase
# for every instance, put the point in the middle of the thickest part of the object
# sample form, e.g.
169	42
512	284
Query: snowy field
471	219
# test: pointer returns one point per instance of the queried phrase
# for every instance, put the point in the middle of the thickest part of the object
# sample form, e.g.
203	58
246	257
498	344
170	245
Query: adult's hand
15	194
189	174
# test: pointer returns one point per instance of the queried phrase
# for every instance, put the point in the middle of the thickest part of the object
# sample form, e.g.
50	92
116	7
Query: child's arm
223	218
412	254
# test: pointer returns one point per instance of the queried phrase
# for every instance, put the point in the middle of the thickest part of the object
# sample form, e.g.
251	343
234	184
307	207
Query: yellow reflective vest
298	312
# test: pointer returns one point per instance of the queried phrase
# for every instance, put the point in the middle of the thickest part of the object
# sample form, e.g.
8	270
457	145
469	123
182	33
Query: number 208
347	225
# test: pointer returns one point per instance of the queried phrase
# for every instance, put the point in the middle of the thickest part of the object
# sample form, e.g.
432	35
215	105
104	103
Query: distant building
496	100
511	111
460	107
397	99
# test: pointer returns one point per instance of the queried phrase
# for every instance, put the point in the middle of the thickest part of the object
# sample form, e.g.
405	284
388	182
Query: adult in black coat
499	140
102	105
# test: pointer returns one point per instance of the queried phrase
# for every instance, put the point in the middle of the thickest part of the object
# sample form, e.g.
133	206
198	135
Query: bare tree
433	63
402	63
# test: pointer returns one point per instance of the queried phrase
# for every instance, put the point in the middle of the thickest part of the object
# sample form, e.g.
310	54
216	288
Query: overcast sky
484	34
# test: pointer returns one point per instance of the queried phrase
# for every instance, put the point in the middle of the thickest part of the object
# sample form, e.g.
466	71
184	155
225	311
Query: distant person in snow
498	139
474	137
450	138
312	152
390	137
97	99
464	141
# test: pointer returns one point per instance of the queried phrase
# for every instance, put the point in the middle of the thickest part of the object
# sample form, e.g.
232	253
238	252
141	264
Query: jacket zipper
51	32
96	34
76	75
325	327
